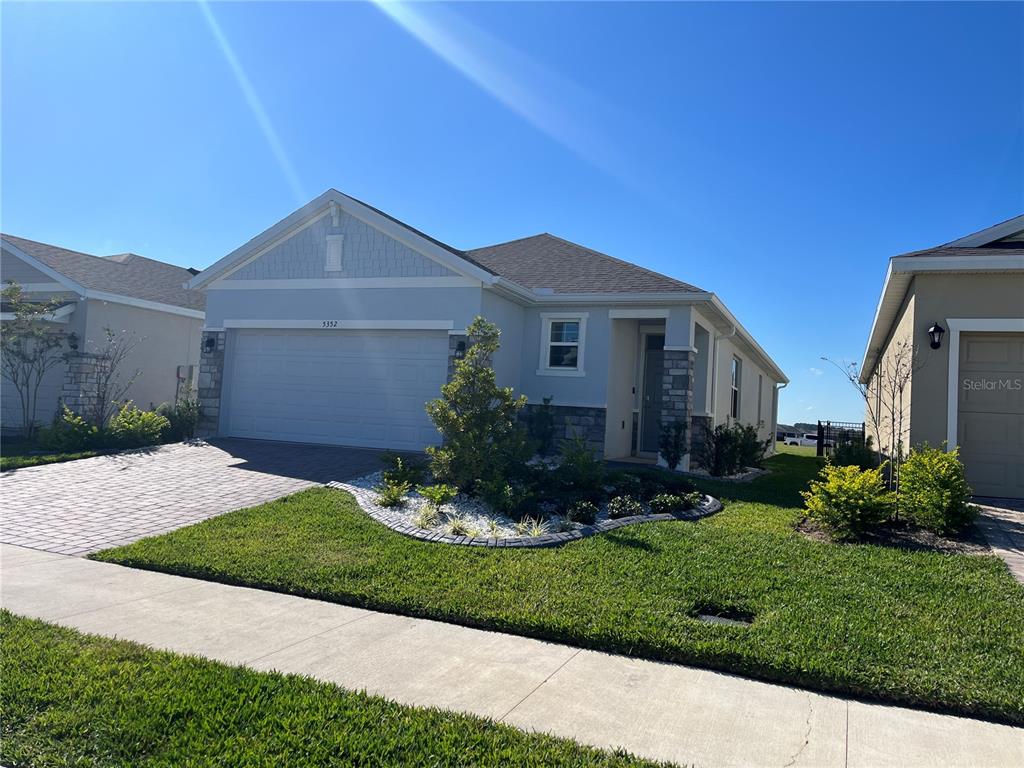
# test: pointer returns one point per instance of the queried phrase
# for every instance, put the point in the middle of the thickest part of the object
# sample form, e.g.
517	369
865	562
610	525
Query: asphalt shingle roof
948	250
546	261
126	274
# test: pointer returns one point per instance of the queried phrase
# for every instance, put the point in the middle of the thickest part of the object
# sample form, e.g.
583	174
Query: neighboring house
125	292
338	323
970	390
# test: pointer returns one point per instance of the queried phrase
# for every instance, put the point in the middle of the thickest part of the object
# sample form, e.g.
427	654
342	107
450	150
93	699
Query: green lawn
940	631
18	459
796	450
71	699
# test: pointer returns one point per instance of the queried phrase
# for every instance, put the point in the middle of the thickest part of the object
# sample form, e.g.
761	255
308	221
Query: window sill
570	372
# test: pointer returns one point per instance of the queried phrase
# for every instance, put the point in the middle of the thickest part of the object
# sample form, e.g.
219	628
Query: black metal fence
832	434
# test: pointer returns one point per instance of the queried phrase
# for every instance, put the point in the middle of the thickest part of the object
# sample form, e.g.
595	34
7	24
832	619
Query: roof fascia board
53	274
898	276
157	306
313	211
985	236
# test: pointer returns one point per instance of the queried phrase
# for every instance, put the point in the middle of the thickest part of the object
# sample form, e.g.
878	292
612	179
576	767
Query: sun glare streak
552	104
255	105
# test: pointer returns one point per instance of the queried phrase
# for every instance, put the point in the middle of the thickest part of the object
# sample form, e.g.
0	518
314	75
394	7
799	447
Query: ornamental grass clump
934	493
849	501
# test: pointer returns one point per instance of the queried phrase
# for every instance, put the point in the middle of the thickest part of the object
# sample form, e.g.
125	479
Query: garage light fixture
935	334
460	350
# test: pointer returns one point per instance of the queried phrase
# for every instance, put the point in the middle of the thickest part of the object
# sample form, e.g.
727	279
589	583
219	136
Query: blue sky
776	154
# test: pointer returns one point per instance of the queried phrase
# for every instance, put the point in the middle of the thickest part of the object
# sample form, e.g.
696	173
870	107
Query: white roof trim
322	206
156	306
59	315
900	273
986	236
53	274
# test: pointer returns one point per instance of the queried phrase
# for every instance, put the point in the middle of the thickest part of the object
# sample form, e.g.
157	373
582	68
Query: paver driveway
1002	521
91	504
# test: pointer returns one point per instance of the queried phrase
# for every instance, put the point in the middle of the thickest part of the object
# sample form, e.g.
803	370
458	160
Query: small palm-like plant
437	495
392	493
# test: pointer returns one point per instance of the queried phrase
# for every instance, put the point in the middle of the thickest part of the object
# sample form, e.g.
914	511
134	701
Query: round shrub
624	506
582	511
132	428
668	502
848	501
933	491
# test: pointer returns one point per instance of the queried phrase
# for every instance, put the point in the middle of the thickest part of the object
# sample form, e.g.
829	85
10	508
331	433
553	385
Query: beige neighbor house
125	292
953	317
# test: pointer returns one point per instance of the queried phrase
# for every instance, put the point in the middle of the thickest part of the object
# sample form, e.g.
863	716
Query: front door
650	410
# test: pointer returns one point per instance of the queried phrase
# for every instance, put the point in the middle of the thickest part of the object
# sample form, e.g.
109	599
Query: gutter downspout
775	412
714	374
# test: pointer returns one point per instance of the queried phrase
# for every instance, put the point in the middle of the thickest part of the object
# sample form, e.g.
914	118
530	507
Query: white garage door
990	428
361	388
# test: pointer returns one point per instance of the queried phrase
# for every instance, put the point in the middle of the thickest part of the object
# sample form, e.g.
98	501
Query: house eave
900	273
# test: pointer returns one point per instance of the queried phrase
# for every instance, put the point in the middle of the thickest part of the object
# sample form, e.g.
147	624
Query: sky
775	154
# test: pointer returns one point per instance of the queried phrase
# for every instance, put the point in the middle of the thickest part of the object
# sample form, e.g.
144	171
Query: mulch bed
903	535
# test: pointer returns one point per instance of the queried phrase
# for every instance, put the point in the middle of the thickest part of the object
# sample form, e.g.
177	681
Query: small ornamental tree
30	347
477	419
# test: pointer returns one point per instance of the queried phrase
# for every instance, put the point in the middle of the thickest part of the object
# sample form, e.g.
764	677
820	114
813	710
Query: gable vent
335	246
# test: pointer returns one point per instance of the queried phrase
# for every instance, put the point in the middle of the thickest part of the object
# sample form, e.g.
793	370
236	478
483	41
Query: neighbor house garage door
361	388
990	427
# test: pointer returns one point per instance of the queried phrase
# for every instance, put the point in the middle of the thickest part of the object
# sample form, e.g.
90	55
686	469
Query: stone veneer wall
699	425
80	379
211	377
573	421
677	391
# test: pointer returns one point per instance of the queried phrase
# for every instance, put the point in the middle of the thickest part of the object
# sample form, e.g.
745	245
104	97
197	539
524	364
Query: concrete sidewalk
661	711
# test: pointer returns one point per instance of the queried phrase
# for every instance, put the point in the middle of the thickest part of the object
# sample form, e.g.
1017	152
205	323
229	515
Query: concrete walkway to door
660	711
90	504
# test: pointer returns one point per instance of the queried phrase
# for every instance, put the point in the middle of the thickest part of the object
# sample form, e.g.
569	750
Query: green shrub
542	427
132	428
693	499
477	419
849	501
393	493
512	499
403	469
438	495
626	484
728	450
69	433
623	506
933	491
856	454
672	443
182	417
668	503
582	511
580	474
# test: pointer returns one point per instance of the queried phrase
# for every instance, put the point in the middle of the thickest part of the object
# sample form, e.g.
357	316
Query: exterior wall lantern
460	350
73	341
210	343
935	334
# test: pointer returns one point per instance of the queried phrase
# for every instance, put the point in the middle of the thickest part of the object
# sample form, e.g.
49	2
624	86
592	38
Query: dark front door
650	414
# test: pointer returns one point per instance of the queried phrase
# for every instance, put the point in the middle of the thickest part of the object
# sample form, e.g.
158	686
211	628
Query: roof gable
336	205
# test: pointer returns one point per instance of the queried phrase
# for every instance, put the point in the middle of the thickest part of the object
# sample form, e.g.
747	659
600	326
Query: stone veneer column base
81	377
677	394
573	421
211	378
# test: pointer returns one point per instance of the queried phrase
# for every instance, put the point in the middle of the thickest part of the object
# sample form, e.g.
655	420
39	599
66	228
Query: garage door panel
365	388
990	425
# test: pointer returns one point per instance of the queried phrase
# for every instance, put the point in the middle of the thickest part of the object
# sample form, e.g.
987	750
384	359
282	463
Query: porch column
677	394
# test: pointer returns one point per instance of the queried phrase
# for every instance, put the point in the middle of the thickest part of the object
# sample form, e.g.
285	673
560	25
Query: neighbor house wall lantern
460	350
210	343
73	341
935	334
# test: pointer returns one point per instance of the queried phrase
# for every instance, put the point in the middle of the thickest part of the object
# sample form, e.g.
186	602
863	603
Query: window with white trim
735	382
562	339
335	249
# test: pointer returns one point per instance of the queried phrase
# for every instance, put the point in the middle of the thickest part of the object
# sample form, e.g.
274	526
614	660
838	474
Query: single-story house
339	322
125	292
956	312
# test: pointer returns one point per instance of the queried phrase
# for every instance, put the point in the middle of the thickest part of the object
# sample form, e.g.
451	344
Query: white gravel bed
476	515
